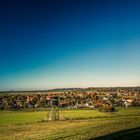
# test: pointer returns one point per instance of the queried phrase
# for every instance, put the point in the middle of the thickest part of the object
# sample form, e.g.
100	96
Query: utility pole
54	111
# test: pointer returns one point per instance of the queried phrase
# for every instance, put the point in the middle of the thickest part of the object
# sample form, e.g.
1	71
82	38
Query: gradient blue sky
48	44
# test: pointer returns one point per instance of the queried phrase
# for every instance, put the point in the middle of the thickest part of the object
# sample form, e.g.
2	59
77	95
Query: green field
74	124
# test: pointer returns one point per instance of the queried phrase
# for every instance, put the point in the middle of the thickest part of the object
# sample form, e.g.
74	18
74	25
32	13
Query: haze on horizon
47	44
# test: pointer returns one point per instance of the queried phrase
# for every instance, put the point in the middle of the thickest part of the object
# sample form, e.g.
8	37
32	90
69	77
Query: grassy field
75	124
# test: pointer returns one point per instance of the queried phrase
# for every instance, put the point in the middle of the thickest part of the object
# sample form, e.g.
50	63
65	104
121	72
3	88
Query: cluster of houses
72	99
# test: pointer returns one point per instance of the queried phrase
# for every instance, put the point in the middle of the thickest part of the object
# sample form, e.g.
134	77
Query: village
89	98
106	98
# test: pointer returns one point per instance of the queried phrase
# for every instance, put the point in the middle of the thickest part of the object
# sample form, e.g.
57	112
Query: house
17	104
127	104
52	100
105	98
29	98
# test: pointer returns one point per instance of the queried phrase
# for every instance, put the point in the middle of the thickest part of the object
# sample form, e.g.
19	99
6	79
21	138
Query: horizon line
37	90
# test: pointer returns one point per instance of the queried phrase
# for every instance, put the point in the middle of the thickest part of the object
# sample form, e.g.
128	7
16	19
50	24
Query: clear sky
48	44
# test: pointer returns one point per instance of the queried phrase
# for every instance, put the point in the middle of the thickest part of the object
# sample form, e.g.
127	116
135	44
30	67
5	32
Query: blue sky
73	43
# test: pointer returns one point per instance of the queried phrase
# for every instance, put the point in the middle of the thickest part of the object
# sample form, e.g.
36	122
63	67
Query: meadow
73	124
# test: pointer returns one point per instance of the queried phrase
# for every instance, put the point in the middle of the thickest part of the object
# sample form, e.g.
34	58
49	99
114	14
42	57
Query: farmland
73	124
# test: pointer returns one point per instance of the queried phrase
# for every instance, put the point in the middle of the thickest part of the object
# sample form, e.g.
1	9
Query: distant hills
73	89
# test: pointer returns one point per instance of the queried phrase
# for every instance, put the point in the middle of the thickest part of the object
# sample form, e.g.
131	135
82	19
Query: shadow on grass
129	134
